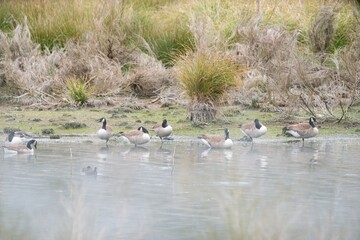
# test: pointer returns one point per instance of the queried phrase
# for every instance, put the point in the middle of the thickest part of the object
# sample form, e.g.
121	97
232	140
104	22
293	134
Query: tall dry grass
52	22
130	47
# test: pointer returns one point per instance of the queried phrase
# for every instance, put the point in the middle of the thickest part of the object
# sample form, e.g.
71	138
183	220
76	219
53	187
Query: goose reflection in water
305	155
20	157
217	154
141	153
164	154
103	153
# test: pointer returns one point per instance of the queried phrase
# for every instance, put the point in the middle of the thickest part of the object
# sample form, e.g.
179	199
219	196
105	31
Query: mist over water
182	190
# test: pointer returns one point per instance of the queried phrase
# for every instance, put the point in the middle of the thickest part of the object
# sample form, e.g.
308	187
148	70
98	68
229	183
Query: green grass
161	22
229	117
160	32
79	90
52	23
167	45
345	29
206	76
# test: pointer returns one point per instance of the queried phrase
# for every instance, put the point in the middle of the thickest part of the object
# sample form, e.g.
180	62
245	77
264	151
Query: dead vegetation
283	74
100	59
322	31
286	69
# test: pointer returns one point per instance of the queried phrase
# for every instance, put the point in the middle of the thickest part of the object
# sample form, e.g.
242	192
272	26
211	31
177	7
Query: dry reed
293	60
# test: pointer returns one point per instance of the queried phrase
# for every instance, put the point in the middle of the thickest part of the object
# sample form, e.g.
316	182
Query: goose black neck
257	124
226	134
104	124
11	136
164	124
144	130
30	143
312	123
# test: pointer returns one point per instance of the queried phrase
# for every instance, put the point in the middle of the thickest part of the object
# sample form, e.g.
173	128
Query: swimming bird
18	148
137	137
253	129
217	141
89	170
162	130
105	132
302	130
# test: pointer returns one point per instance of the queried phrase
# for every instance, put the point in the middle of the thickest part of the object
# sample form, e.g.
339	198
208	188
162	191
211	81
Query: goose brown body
253	129
302	130
19	148
217	141
138	137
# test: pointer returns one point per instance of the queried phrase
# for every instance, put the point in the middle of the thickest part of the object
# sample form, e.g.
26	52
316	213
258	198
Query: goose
253	129
89	170
18	148
302	130
137	137
162	130
105	132
217	141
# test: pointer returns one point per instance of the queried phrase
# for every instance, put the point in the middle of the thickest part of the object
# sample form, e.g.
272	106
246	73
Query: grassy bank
122	119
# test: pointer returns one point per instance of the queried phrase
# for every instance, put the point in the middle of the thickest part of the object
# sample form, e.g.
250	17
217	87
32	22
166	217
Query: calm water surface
273	190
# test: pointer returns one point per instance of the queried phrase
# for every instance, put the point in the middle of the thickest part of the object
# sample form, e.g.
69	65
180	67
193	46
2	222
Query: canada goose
302	130
105	132
18	148
137	137
162	130
89	170
253	129
218	141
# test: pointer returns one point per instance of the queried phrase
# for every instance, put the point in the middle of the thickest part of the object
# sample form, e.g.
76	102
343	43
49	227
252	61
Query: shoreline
116	141
83	122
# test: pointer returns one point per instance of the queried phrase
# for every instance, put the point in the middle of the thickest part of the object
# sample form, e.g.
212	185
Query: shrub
206	76
79	90
322	30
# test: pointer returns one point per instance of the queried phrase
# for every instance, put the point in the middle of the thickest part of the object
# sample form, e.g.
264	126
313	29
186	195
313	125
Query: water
273	190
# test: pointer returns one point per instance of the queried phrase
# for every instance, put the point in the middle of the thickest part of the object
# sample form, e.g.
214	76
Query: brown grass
101	59
322	30
293	62
269	54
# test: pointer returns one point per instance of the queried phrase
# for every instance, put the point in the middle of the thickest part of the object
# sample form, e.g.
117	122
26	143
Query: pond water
182	190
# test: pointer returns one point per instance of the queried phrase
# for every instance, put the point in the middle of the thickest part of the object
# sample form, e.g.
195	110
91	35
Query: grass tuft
79	90
206	76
